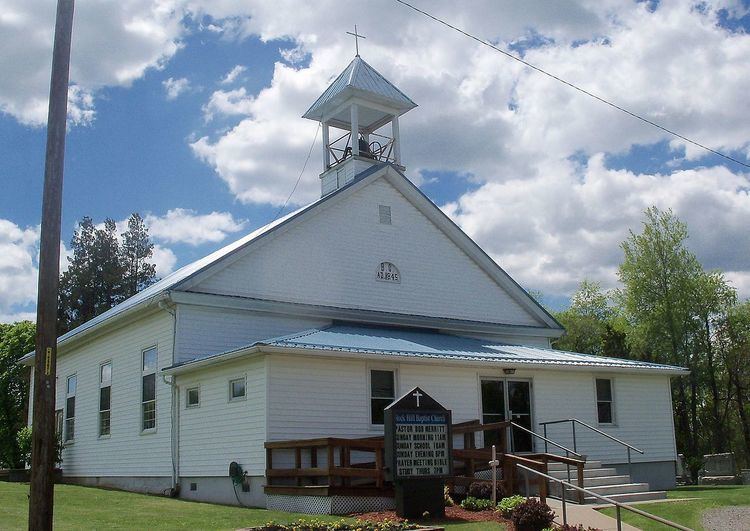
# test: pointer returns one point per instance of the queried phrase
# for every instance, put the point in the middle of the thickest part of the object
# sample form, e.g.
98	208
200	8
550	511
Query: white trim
74	396
612	406
230	398
102	385
144	373
188	405
383	367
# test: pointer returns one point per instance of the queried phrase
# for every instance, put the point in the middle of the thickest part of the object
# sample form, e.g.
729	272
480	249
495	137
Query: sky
189	112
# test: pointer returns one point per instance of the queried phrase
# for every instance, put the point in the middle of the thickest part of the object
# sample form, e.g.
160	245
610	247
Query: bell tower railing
374	146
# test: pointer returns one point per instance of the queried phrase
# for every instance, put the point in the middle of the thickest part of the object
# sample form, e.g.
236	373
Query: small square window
385	214
193	397
237	389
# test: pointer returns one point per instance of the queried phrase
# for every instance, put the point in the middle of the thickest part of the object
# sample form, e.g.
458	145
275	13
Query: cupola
359	114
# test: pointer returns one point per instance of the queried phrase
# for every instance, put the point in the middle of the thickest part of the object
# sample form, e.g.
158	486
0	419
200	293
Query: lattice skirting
340	505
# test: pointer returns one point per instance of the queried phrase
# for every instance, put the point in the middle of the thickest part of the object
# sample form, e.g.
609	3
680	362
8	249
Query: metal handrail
617	504
568	451
597	430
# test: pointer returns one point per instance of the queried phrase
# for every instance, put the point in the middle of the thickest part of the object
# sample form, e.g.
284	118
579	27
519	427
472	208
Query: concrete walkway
586	515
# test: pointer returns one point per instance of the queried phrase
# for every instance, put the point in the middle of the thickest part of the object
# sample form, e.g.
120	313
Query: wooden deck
356	467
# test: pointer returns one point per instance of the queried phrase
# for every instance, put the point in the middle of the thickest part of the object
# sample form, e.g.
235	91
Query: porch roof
387	342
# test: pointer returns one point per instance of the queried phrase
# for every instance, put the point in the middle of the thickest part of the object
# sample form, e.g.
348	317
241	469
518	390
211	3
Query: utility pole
43	427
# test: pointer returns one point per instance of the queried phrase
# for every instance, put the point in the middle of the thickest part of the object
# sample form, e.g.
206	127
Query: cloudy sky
188	111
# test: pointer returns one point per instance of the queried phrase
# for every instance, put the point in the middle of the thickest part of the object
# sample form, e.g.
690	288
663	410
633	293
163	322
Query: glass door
519	411
493	408
508	399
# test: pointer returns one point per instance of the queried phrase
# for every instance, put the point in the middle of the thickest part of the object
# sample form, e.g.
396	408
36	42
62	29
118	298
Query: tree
103	272
670	303
586	320
136	251
16	340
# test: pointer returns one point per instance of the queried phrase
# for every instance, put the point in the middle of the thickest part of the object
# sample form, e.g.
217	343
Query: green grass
89	508
687	513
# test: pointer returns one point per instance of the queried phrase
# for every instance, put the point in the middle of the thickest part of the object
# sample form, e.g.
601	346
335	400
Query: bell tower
359	114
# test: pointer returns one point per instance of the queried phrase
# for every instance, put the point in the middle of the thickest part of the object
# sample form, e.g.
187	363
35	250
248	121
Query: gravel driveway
725	518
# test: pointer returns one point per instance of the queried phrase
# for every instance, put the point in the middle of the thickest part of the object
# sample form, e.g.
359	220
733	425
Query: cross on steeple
418	395
356	36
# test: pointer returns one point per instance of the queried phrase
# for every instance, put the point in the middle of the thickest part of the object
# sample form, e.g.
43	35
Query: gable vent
385	214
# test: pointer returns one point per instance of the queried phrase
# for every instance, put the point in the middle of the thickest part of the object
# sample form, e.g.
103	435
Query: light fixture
509	371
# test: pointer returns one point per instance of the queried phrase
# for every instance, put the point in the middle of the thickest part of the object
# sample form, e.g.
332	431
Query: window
70	407
193	398
105	398
385	214
604	402
237	389
382	393
148	390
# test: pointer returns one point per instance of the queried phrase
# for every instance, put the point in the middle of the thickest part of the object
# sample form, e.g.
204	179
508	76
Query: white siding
202	331
333	257
219	431
643	416
127	452
313	397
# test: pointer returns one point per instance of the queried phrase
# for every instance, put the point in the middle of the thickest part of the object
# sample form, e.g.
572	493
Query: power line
571	85
304	166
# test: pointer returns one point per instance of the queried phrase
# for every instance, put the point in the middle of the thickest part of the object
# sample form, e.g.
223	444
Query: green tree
586	320
137	250
670	303
16	340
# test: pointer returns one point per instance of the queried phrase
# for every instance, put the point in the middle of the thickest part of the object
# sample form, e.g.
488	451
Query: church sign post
418	447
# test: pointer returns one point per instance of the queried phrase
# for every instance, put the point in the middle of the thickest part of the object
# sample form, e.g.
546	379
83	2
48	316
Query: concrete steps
604	481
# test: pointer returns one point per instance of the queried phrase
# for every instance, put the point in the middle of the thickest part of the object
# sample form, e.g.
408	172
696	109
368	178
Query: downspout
174	433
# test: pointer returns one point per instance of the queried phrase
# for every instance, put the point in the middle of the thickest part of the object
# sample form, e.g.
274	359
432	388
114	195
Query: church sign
418	447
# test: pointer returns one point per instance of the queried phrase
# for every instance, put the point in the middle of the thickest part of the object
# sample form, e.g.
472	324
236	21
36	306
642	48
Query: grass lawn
90	508
688	513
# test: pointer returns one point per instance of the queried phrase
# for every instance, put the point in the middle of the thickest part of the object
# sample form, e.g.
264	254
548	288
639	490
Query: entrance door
508	400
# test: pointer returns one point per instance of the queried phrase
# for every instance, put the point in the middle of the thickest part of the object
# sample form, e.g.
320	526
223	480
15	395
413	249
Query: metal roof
415	343
362	77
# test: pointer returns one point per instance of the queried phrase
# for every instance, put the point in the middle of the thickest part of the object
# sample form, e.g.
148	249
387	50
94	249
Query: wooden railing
325	465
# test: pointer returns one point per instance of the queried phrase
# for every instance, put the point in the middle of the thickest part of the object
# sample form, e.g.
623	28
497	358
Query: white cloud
233	74
164	259
175	87
513	132
228	103
18	268
182	225
114	43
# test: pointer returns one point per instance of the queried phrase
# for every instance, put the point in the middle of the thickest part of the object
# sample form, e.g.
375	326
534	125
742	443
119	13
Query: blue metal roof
403	342
360	76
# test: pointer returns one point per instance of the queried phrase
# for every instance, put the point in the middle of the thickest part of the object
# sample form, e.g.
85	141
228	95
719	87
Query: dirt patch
722	518
453	515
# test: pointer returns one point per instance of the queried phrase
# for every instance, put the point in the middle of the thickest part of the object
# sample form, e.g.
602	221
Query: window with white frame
105	398
193	397
237	389
148	389
605	401
70	407
382	393
59	416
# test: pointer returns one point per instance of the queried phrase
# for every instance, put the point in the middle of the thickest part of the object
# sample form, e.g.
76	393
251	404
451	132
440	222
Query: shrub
483	490
532	515
475	504
24	446
449	502
507	505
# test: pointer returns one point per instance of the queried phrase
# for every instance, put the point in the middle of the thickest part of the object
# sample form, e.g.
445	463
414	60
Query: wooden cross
415	393
356	36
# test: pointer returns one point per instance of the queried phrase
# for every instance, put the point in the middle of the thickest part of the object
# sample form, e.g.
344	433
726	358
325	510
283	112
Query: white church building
279	350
